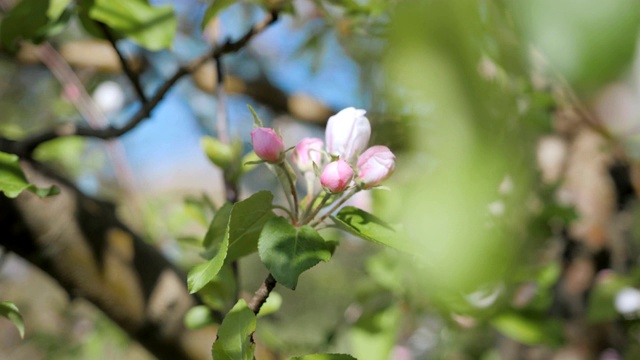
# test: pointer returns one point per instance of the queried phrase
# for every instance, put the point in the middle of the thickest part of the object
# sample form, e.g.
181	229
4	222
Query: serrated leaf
152	27
13	181
10	311
528	329
288	251
246	222
217	243
324	357
235	335
368	227
214	9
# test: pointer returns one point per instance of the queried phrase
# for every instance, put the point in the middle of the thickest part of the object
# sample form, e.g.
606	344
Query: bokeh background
515	125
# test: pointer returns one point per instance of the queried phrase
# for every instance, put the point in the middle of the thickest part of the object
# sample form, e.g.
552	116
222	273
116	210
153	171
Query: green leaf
217	243
214	9
221	154
26	21
256	119
56	8
602	298
368	227
10	311
374	334
288	251
152	27
235	335
324	357
529	330
246	222
197	317
13	181
272	305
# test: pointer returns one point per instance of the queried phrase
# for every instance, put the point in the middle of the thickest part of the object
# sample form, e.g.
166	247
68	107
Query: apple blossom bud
375	165
336	176
347	134
267	144
307	152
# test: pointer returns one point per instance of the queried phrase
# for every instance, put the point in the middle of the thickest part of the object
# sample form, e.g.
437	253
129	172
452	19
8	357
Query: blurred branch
81	243
26	146
132	75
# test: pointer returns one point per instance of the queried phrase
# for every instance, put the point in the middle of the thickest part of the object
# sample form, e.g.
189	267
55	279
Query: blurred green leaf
324	357
288	251
10	311
374	334
56	8
531	330
28	20
368	227
589	42
272	305
235	336
198	317
13	180
152	27
220	292
602	298
221	154
214	9
245	223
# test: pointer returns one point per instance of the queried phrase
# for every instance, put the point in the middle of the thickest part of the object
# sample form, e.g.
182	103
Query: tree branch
132	75
261	295
26	146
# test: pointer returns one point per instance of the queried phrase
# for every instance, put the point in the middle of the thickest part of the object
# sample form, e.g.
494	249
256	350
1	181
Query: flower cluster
341	163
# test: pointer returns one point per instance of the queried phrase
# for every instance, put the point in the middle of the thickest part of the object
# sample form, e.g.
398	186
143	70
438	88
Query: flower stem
292	188
336	206
308	217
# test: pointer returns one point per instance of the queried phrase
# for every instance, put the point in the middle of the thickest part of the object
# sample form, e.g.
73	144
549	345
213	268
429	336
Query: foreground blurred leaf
56	8
214	9
13	180
367	226
324	357
152	27
529	330
235	336
288	251
10	311
30	20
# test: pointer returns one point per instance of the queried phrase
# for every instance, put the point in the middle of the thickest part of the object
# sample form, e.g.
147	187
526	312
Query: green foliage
214	9
197	317
288	251
532	330
152	27
233	233
272	305
368	227
235	335
13	181
324	357
10	311
246	222
602	298
374	334
32	20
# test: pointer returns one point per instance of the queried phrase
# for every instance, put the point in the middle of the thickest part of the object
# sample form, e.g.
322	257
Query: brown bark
80	243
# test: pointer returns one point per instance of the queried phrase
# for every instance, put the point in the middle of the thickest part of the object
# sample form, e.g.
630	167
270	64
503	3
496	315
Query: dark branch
25	147
261	295
132	75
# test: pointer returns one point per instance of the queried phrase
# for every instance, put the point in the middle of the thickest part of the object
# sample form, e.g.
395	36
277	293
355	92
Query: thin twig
132	75
335	207
294	193
261	295
27	145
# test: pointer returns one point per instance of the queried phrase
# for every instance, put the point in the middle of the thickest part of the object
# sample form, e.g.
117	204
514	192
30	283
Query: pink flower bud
336	176
267	144
347	134
307	152
375	165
